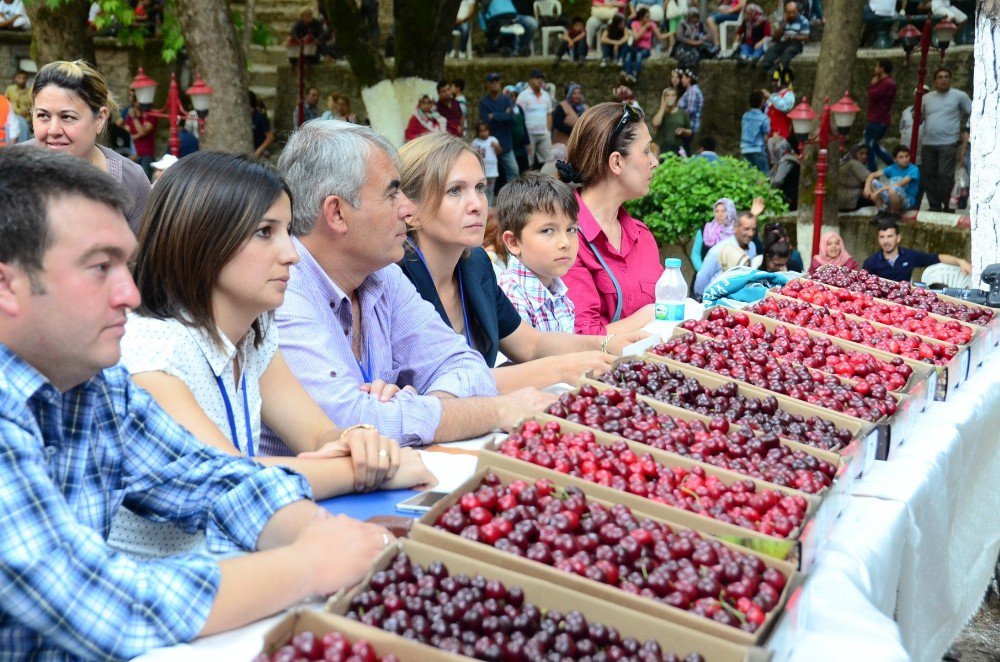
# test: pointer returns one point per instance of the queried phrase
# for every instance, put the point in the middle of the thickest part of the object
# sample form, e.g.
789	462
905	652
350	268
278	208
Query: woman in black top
445	261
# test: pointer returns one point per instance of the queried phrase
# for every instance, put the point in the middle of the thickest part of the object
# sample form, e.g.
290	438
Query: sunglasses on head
631	111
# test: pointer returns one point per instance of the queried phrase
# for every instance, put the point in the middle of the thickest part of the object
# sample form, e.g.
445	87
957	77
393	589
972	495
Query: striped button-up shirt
545	308
403	341
68	461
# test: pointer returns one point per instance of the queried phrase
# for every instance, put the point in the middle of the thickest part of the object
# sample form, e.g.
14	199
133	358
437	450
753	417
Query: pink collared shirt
637	266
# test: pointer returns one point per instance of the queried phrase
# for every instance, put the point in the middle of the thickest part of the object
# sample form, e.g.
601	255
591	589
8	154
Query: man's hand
520	404
757	207
384	392
339	549
375	457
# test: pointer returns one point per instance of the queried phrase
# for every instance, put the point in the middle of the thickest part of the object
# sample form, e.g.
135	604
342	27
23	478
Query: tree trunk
215	53
248	23
60	33
984	189
365	58
426	38
833	76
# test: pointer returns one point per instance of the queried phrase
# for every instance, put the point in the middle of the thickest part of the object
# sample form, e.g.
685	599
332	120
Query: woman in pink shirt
613	282
643	31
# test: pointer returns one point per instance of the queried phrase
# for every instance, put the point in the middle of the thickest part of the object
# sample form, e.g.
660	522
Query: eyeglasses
631	111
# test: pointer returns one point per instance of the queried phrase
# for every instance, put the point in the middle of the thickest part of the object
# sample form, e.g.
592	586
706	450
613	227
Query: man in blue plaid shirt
78	441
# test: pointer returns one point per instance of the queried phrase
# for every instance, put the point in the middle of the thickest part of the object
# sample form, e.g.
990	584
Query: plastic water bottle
671	290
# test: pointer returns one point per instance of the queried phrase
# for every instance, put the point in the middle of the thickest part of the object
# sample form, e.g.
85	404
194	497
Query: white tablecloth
907	562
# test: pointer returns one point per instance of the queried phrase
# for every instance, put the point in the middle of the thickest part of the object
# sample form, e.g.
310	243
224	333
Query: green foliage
683	192
261	34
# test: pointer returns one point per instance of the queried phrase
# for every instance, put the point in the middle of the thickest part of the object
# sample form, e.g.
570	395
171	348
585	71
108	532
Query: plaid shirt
692	101
68	461
543	308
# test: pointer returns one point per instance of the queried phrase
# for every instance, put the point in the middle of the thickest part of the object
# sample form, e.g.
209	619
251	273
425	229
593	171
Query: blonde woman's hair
731	255
424	166
81	79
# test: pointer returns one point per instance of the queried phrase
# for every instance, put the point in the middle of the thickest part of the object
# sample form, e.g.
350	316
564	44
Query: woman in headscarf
784	174
424	120
832	251
567	113
720	228
693	40
852	175
751	33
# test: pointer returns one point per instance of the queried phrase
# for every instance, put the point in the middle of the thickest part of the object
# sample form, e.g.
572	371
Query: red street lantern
803	117
944	31
200	93
843	114
145	89
910	37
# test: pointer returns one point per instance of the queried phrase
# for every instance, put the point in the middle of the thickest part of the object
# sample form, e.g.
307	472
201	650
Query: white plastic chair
548	8
724	37
946	274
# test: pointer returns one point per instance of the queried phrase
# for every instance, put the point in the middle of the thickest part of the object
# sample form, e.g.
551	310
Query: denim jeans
759	160
463	35
509	163
609	52
633	60
530	25
874	132
748	53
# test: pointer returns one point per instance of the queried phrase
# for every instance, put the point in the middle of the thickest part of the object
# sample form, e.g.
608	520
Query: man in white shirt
536	104
13	16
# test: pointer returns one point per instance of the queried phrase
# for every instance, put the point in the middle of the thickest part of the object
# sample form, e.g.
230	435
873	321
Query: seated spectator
614	41
601	14
449	269
75	88
186	344
746	227
755	126
728	11
306	28
894	262
775	231
894	188
489	149
537	221
352	325
13	16
567	113
644	30
425	119
263	135
498	13
78	441
706	149
19	95
694	42
613	282
948	9
670	123
852	173
676	12
448	108
789	38
655	8
832	251
785	170
573	42
774	258
753	35
876	11
463	23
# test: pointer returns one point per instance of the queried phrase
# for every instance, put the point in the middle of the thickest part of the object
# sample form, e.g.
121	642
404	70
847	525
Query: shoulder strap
614	281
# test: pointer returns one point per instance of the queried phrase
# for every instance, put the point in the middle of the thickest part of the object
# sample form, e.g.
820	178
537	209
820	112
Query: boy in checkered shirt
537	217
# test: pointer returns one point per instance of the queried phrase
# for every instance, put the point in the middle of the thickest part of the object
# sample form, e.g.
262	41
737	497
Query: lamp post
944	31
803	117
298	49
199	92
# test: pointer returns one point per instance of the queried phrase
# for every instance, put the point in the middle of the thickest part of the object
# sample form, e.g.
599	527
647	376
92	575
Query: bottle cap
672	262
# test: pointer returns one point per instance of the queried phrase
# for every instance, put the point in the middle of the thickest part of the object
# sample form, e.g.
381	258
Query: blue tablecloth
363	506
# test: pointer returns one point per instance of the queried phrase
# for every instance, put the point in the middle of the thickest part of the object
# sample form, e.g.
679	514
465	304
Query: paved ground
980	640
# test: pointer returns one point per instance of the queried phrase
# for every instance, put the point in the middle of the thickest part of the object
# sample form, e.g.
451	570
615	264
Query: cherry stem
732	610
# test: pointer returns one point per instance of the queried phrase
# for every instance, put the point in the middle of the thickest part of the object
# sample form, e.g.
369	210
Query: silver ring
383	453
386	540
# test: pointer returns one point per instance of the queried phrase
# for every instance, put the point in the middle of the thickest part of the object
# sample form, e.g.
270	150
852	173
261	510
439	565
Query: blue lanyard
461	290
366	369
232	418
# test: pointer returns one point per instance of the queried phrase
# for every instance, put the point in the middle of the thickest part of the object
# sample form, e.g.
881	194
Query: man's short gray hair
324	158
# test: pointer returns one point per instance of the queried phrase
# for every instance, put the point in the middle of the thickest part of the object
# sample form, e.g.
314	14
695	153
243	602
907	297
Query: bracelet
358	426
604	343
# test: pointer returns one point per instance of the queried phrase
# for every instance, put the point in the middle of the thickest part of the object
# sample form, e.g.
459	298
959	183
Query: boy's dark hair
30	179
900	148
459	83
707	143
576	19
778	249
756	99
940	69
530	193
885	64
481	124
442	83
888	222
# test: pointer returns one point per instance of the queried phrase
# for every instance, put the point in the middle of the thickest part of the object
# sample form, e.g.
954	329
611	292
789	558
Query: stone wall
725	86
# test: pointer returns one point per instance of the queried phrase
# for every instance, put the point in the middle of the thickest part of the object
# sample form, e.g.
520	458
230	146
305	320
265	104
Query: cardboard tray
981	335
676	637
949	376
921	385
889	431
802	544
424	531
